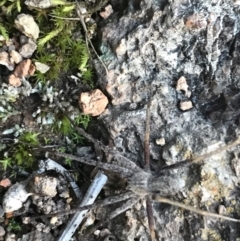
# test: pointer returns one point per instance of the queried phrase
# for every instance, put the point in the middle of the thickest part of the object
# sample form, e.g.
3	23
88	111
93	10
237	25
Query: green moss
13	226
6	163
21	153
12	5
58	48
4	32
64	126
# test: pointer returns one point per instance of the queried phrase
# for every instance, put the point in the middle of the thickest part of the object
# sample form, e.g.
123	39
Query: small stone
121	49
23	39
10	214
5	60
10	237
39	3
14	81
236	2
160	141
37	236
45	185
11	48
1	212
182	85
53	220
31	70
15	196
108	11
97	232
2	38
9	42
222	209
65	194
5	182
25	23
104	232
16	56
196	21
2	231
186	105
28	49
22	69
42	68
93	103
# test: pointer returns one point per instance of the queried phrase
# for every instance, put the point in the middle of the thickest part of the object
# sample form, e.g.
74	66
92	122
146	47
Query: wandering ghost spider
141	183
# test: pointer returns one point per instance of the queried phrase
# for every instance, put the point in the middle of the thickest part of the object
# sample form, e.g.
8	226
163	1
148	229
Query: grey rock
165	40
15	197
39	3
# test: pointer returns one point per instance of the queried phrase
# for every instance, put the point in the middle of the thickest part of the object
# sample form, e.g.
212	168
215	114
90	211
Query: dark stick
146	140
147	167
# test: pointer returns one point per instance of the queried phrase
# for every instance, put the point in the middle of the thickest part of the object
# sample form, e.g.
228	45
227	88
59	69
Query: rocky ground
182	55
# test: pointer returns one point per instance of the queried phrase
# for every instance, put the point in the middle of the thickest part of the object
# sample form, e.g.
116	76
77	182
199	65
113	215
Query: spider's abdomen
166	185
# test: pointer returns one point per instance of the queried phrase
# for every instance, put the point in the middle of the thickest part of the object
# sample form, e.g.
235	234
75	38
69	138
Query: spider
141	183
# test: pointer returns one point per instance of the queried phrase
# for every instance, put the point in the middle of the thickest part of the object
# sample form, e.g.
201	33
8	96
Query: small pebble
186	105
222	209
160	141
2	231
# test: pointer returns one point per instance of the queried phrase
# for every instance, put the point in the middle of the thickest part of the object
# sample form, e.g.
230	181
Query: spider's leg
127	205
197	159
217	151
124	172
158	198
124	162
107	201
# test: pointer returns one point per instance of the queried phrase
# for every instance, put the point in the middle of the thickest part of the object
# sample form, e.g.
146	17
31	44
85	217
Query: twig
92	193
88	40
147	168
146	139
